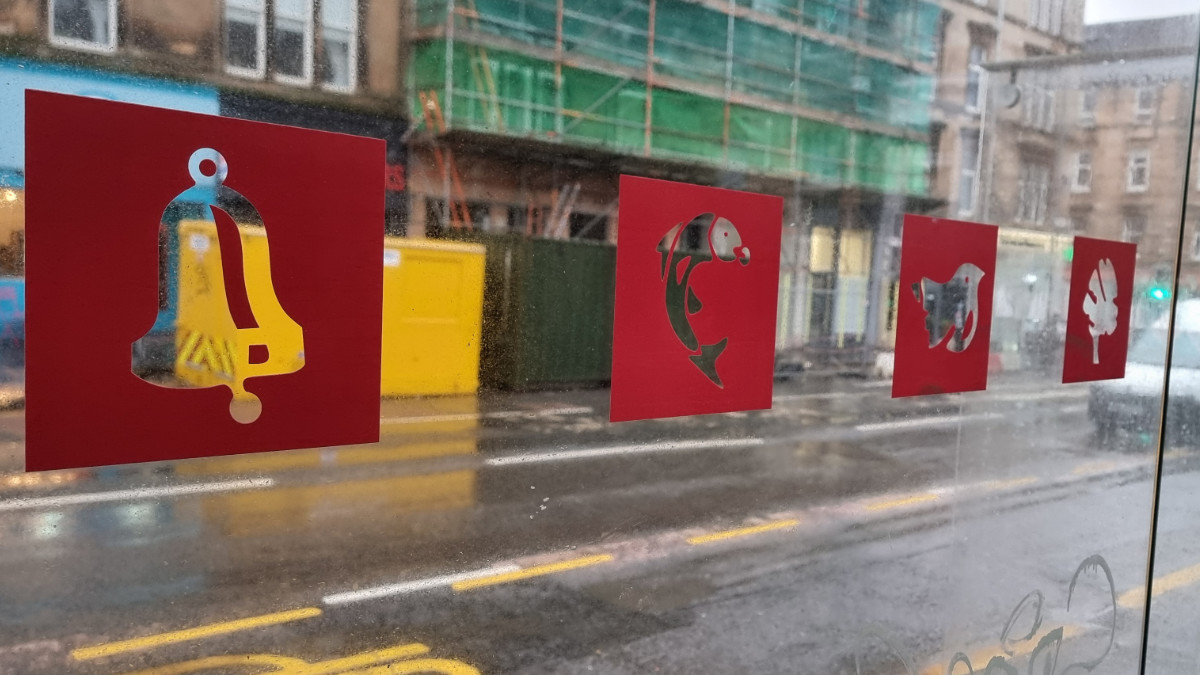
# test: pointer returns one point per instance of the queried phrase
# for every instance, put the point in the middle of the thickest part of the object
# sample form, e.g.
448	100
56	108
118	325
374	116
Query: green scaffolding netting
693	42
499	91
907	28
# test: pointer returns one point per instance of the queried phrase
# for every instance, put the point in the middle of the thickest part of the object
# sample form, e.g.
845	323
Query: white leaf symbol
1100	304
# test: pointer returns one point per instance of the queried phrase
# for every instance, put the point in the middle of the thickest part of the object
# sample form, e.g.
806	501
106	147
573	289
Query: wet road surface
840	531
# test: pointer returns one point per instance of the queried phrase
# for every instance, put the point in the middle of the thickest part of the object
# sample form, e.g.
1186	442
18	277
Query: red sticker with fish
199	285
944	321
1098	310
697	282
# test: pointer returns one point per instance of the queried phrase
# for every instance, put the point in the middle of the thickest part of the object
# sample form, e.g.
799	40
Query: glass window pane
338	14
297	10
289	49
503	522
83	20
241	47
339	43
337	64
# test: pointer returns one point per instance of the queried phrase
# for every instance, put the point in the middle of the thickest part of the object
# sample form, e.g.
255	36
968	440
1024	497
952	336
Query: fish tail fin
706	360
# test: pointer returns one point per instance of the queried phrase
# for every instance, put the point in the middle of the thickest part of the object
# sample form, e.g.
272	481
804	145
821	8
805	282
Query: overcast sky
1103	11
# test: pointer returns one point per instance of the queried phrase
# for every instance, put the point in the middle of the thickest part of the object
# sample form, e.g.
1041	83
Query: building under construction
528	110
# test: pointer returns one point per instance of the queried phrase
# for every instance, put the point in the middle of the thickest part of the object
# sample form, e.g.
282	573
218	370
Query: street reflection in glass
502	524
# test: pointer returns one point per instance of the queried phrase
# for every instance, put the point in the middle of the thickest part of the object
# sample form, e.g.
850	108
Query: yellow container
209	349
432	317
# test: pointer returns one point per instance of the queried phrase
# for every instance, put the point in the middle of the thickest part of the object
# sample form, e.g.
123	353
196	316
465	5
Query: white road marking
816	395
545	412
924	422
20	504
1001	396
1036	395
616	450
499	415
415	585
664	543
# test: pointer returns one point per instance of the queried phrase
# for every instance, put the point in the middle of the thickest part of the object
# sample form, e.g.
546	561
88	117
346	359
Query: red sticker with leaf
944	322
1098	310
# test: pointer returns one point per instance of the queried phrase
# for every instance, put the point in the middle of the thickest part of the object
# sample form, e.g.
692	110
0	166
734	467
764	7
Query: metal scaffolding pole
558	71
649	78
448	111
729	26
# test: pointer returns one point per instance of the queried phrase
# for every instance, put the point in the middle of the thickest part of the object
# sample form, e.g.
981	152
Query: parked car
1134	402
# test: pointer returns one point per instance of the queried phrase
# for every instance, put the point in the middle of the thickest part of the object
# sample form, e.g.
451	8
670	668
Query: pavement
841	531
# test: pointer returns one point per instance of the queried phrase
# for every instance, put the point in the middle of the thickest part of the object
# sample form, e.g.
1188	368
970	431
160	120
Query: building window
975	59
289	55
1145	102
84	24
293	41
935	150
1047	15
1134	227
1137	171
1038	110
1087	107
1083	172
1033	193
967	170
246	37
339	44
940	43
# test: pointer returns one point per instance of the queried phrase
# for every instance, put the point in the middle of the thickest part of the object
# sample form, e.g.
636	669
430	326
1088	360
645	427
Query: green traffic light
1159	293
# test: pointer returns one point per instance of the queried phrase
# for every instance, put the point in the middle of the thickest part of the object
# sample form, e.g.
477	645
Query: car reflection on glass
1133	403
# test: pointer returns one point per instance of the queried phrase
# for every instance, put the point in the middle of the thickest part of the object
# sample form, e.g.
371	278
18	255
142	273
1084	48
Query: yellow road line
1101	466
1136	597
742	531
287	664
530	572
980	657
367	659
902	501
86	653
1009	484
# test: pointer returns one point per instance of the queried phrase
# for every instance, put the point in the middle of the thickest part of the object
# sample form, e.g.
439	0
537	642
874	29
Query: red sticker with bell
197	285
697	283
944	319
1098	310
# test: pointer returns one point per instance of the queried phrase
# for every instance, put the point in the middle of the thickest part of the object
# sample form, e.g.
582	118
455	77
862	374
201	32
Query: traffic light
1160	286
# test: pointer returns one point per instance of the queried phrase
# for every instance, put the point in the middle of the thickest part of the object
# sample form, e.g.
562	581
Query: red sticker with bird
1098	310
697	283
944	319
199	285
